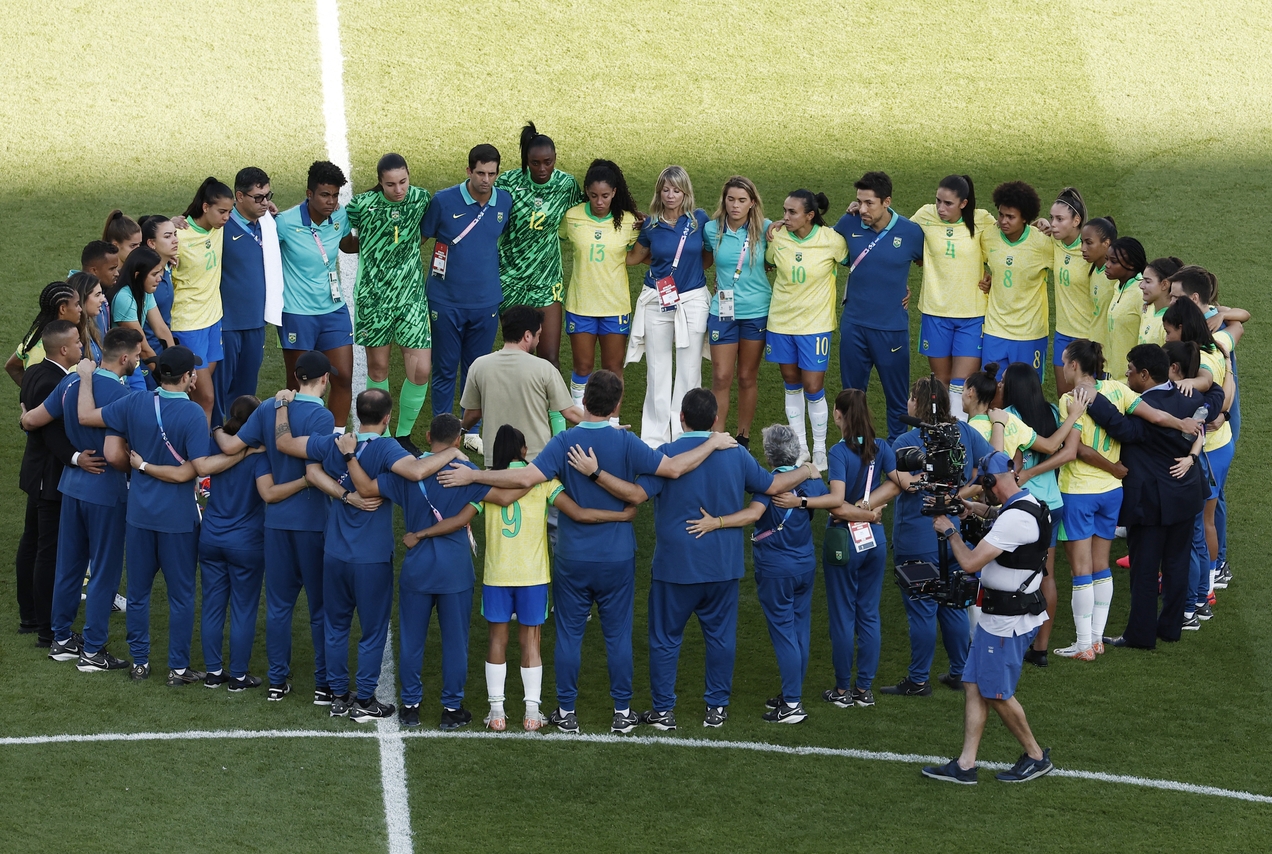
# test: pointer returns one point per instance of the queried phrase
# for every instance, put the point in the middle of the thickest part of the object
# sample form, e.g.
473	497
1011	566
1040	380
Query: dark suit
1158	511
47	452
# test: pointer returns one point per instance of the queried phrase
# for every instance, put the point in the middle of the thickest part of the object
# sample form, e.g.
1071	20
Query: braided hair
52	298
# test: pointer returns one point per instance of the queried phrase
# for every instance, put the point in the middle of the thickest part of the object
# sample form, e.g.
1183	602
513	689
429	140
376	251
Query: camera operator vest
1031	556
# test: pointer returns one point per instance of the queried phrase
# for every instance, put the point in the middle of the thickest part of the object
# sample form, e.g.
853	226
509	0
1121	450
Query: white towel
273	270
649	296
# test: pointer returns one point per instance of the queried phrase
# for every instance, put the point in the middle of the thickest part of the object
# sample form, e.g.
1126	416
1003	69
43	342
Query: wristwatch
142	467
345	498
349	456
949	532
803	502
595	476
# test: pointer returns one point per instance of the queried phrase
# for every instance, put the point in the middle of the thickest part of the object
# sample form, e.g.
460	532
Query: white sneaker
819	460
803	456
533	721
472	442
120	604
1080	653
1120	532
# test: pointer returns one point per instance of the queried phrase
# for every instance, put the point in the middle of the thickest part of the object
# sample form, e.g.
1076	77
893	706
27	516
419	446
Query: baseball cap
313	364
995	462
175	362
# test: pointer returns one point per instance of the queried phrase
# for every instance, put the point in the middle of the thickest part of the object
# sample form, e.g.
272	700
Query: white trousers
666	383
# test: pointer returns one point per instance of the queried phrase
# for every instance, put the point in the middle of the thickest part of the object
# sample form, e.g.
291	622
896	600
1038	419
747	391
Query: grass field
1160	112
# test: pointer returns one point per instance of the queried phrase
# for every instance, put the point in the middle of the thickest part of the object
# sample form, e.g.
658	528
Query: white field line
397	808
638	741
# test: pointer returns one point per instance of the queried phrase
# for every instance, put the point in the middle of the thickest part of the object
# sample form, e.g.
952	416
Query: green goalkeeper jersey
530	249
390	266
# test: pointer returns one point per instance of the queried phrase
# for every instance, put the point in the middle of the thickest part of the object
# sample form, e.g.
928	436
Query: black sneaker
842	699
624	722
1191	624
863	699
773	702
715	717
786	714
1027	769
69	651
744	441
409	716
408	445
322	696
215	680
951	773
278	692
340	705
1203	612
566	722
27	628
139	672
949	680
187	677
42	642
248	681
1223	577
664	721
908	688
368	710
99	661
1036	657
455	718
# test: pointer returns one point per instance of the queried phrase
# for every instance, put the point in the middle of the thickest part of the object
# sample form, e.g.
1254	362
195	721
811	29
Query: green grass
1160	113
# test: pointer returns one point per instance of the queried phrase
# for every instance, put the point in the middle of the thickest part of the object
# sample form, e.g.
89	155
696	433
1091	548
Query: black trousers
37	564
1154	549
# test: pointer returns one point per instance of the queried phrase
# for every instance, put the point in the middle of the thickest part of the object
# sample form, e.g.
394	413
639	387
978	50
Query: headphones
988	480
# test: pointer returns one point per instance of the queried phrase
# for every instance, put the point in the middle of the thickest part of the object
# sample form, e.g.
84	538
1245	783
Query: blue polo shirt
472	266
243	274
306	289
877	286
752	292
111	486
163	302
353	535
787	552
663	239
234	517
437	564
307	509
620	453
912	534
152	504
846	467
718	486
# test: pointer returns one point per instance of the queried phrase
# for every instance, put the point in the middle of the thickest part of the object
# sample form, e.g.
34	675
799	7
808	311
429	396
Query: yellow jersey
1017	435
1215	362
804	291
32	357
1079	478
1151	330
1017	308
517	538
196	280
598	284
1075	310
953	264
1122	325
1102	292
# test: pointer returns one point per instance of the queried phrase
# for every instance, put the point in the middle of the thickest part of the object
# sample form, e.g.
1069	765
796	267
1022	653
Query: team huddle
146	440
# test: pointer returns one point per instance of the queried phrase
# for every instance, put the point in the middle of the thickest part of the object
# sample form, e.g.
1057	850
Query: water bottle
1199	415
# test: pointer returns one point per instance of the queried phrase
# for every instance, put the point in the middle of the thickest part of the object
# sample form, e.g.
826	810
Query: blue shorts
1006	352
730	331
530	604
204	343
329	331
1060	343
941	337
1088	515
810	352
1218	462
993	663
582	324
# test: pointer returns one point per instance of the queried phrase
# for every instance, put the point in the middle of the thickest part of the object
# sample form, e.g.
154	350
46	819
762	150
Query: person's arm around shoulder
748	515
449	525
292	446
272	493
590	515
89	414
587	464
462	473
672	468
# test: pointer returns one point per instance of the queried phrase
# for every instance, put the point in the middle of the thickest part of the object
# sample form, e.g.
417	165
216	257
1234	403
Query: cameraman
1011	559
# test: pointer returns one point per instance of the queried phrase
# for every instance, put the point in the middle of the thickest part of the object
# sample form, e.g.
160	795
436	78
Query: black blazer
1150	495
47	449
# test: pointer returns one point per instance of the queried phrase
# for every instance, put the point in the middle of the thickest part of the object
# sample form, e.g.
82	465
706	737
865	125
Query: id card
726	303
863	539
668	296
333	279
439	260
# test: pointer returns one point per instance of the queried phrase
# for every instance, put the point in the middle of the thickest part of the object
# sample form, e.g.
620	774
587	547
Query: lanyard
472	224
472	541
162	434
684	235
878	237
737	271
755	538
309	224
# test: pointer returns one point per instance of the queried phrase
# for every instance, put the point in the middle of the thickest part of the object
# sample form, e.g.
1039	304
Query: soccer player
951	301
1075	308
196	284
691	575
58	301
874	330
135	287
122	231
92	305
598	305
1019	256
167	434
529	250
94	501
1155	289
388	301
736	237
802	314
1125	267
1097	237
670	319
595	563
315	316
160	234
463	285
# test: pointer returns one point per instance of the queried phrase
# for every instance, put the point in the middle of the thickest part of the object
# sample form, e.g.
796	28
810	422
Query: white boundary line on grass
397	807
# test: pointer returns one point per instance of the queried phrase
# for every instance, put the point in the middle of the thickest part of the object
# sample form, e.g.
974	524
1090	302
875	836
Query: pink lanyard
163	435
309	223
472	225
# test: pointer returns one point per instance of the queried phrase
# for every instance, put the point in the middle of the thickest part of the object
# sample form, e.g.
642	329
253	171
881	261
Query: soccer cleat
842	699
1124	562
819	460
1027	769
786	714
248	681
951	773
1203	612
533	721
409	716
363	711
624	722
472	442
955	683
1223	577
278	692
68	651
715	717
908	688
1036	657
340	705
322	696
1098	646
139	672
408	445
804	456
773	702
99	661
1077	652
186	677
1191	624
566	722
664	721
215	680
455	718
498	723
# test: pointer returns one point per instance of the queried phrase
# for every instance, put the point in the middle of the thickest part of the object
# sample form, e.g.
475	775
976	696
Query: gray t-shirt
511	386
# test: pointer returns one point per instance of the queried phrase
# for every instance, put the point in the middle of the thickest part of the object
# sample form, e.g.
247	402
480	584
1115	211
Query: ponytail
984	384
530	139
387	163
150	226
52	298
961	186
119	228
815	204
1088	354
209	191
1072	199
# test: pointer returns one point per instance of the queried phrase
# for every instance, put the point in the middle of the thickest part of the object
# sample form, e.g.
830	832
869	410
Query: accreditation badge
439	260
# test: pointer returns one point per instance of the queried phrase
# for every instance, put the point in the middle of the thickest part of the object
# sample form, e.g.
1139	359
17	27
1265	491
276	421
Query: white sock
956	400
1083	607
576	392
532	681
1102	597
818	414
495	676
625	711
338	431
795	414
973	619
614	422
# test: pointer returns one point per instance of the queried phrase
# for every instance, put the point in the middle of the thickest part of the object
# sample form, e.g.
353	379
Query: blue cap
994	463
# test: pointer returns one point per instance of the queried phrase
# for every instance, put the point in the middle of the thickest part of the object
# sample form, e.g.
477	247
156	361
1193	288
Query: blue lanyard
163	435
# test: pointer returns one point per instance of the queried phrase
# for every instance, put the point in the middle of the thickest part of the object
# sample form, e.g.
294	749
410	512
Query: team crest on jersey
538	201
1066	259
336	226
597	236
799	256
395	214
499	217
949	232
715	334
1009	260
207	244
896	242
571	329
433	315
291	337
